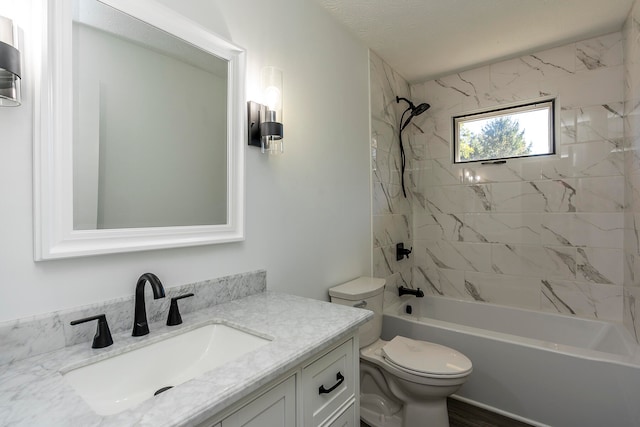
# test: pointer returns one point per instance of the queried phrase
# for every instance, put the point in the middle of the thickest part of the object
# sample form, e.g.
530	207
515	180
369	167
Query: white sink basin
120	382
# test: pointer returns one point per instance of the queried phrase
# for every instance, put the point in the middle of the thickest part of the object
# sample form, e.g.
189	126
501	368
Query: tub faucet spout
407	291
140	325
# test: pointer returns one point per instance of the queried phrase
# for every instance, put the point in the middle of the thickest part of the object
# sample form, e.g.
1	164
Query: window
505	133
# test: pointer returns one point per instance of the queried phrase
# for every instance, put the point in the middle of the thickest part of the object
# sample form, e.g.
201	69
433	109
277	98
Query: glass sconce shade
10	70
271	85
271	128
265	119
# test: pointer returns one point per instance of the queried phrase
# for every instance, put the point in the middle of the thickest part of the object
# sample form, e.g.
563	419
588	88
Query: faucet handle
402	252
174	317
102	337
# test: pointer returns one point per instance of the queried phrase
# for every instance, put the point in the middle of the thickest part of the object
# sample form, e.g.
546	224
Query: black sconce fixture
265	120
10	70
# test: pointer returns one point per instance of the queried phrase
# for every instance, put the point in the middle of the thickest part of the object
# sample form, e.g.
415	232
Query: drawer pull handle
340	379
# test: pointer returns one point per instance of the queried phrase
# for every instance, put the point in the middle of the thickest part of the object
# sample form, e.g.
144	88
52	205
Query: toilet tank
367	293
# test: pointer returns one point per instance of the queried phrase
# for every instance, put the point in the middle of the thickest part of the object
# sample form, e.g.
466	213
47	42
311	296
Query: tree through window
525	130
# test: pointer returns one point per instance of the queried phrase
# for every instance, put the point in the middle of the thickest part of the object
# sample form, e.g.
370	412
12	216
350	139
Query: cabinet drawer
327	384
346	419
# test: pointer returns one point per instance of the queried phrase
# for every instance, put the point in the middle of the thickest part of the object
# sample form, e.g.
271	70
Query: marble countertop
33	392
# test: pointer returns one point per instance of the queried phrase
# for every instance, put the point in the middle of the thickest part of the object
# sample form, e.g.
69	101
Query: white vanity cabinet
321	392
276	407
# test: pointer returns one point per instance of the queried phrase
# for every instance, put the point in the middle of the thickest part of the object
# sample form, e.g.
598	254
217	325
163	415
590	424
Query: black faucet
406	291
140	325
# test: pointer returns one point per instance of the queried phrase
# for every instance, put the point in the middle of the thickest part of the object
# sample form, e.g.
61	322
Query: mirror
139	142
149	125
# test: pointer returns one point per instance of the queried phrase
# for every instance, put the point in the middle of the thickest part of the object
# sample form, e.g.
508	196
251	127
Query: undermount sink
120	382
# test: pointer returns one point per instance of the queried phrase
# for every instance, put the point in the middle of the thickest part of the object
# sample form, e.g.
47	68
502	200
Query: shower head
415	111
420	109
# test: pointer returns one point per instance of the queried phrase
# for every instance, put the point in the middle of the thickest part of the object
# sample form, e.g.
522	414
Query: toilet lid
423	357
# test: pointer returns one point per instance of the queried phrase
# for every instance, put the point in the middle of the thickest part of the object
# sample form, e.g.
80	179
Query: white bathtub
542	368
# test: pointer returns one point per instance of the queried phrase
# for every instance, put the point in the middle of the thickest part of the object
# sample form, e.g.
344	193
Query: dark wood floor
464	415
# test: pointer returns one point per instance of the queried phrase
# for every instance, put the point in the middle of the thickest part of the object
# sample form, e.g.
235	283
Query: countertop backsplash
31	336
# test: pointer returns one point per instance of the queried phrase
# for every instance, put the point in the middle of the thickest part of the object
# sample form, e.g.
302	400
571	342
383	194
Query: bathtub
545	369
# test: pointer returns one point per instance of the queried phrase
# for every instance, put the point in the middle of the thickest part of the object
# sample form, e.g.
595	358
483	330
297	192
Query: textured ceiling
424	39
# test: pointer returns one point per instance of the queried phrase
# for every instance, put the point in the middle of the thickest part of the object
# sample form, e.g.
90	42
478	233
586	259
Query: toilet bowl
419	374
403	382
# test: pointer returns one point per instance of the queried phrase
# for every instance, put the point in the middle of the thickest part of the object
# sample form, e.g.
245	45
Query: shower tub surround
391	216
33	392
545	369
631	33
543	233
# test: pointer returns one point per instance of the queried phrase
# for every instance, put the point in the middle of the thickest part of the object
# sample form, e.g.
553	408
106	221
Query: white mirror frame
54	236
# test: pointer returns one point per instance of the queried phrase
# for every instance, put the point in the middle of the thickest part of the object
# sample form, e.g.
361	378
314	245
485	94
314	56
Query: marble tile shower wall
543	233
392	221
632	171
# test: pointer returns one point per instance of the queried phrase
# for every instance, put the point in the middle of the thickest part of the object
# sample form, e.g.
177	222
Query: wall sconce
9	64
265	120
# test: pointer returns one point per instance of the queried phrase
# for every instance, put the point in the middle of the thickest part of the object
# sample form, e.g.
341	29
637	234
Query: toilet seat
425	359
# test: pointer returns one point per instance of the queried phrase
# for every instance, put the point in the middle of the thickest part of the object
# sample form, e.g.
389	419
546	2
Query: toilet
403	382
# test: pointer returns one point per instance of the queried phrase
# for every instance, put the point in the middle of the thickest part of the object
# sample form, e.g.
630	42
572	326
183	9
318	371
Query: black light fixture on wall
10	69
265	120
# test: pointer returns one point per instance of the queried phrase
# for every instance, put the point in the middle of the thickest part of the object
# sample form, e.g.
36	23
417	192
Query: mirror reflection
149	125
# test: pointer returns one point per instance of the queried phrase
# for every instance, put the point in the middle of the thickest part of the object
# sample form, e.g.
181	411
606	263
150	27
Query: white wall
308	212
